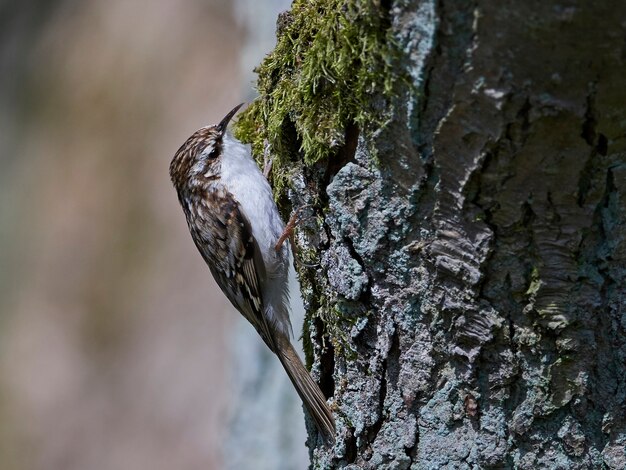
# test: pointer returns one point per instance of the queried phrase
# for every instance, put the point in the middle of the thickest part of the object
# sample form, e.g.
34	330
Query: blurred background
117	350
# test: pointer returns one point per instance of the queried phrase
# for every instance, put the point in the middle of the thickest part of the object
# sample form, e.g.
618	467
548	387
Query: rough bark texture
468	308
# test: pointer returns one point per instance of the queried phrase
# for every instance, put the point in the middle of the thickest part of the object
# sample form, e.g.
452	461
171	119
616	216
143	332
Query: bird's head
199	158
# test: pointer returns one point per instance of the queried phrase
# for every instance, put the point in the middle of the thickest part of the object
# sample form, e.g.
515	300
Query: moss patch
333	65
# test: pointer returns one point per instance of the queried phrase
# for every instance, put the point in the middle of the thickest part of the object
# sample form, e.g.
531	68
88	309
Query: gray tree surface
466	305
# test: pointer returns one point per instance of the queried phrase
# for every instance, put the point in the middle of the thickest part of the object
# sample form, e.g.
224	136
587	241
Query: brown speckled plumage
235	225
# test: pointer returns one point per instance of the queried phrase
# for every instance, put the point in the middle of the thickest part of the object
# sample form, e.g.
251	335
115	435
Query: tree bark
467	307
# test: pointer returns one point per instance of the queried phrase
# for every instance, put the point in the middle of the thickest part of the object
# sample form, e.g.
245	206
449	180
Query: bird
236	226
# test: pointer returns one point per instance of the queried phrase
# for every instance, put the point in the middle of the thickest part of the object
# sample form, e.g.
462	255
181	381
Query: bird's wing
224	238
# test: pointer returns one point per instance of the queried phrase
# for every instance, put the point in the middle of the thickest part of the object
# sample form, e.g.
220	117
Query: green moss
332	57
335	65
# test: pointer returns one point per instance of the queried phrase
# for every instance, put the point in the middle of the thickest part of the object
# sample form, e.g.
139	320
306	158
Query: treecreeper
236	226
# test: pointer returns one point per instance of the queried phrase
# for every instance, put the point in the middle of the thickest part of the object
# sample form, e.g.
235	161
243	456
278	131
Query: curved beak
221	127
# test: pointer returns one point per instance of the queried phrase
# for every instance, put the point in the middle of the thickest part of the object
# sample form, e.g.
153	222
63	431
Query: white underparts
243	179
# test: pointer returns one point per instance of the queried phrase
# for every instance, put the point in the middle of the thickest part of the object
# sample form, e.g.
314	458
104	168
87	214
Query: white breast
244	180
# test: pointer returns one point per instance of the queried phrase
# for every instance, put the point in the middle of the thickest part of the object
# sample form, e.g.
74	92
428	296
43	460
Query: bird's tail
309	391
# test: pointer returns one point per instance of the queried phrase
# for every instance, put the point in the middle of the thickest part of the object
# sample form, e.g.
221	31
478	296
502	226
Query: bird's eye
211	151
214	152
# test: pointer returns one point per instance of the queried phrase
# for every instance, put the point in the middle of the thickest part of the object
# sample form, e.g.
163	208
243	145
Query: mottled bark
474	249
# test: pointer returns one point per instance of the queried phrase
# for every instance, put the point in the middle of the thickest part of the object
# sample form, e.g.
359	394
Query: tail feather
309	391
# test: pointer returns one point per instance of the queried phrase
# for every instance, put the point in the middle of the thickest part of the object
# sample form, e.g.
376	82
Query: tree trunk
465	166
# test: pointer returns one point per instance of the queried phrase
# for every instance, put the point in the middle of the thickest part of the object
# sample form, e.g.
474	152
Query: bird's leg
289	231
